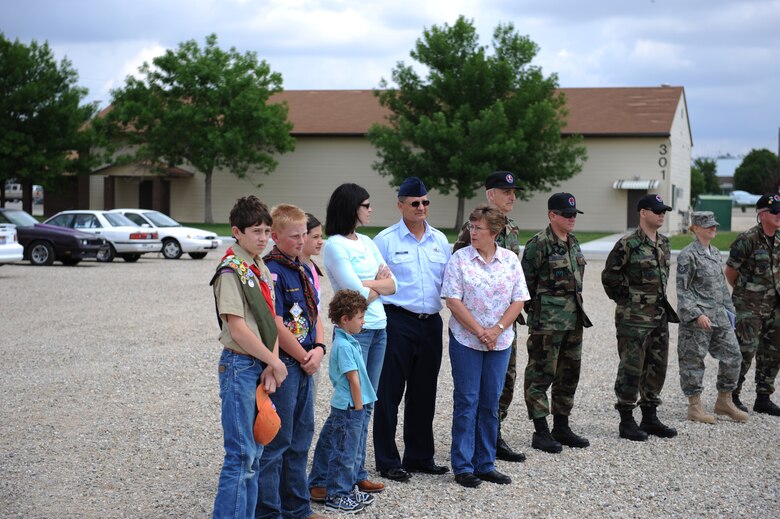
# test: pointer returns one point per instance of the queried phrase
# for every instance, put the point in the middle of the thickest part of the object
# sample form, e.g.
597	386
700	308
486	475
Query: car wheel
131	258
197	255
106	254
171	249
41	253
70	262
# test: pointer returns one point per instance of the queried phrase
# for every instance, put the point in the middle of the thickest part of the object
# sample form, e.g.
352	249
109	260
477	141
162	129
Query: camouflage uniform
553	272
702	290
756	297
635	277
508	238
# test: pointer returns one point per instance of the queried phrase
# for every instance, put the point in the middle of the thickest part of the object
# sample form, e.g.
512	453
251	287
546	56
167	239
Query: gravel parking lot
110	408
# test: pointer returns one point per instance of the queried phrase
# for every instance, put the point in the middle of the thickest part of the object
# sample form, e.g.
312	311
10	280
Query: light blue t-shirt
346	356
350	262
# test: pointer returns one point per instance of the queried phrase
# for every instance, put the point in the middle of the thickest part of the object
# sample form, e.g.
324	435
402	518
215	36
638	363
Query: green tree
697	184
206	107
41	117
758	172
476	111
704	179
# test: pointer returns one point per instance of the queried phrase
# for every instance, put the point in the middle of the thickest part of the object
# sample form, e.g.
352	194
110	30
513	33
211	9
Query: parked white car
126	239
743	198
10	249
176	239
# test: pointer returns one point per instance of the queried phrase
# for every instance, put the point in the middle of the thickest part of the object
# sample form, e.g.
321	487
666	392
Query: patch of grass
220	229
722	241
223	229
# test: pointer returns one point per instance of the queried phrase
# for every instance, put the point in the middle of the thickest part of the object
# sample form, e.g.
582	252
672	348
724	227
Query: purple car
43	244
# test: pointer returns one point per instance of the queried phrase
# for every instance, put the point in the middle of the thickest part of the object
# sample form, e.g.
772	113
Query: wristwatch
320	345
501	326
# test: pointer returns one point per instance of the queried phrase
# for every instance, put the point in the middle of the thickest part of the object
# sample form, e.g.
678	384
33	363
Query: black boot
738	403
564	435
505	453
765	405
628	428
652	425
542	439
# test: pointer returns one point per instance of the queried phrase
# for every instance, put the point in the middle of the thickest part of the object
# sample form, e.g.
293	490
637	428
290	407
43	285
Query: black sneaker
344	504
545	442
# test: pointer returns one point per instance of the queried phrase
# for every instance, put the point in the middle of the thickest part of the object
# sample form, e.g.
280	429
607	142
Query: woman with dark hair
484	288
353	262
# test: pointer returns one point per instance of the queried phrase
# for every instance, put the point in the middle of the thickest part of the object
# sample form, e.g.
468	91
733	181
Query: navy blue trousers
412	363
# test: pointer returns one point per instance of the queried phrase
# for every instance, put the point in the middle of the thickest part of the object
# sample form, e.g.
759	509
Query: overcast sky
725	53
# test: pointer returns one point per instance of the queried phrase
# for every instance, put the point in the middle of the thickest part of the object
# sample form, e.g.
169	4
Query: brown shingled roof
332	112
641	111
629	111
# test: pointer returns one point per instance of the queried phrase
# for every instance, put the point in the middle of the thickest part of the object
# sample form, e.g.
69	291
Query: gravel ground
110	408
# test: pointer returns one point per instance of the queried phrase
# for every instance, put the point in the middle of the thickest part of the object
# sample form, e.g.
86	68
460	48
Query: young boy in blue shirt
352	390
284	491
244	303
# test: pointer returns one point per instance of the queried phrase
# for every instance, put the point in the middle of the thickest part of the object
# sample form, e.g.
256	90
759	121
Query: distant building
726	166
638	141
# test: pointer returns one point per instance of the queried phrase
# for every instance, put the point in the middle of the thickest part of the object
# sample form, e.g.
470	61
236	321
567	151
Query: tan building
638	140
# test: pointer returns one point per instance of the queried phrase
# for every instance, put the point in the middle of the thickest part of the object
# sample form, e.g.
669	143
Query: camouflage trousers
508	393
693	345
554	359
760	338
644	353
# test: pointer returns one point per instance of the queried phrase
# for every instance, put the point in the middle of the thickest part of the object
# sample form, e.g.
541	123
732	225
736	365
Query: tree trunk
207	216
459	213
27	195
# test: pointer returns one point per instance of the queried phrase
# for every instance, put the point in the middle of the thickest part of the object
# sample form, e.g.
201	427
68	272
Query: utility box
720	205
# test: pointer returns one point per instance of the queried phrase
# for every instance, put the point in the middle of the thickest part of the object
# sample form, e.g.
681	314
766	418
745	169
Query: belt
231	350
407	312
283	353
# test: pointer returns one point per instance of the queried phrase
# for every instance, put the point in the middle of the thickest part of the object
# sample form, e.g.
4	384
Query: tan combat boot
696	412
725	406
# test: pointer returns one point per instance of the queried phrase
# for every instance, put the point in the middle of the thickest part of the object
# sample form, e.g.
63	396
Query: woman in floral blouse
484	288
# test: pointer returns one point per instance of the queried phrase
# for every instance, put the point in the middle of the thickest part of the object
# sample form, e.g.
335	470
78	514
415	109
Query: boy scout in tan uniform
553	265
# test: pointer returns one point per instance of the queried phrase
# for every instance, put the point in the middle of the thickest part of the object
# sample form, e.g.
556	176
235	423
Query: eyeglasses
474	228
366	205
566	214
417	203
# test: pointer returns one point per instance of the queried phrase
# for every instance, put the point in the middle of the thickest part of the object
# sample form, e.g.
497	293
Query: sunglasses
566	214
659	211
367	205
416	203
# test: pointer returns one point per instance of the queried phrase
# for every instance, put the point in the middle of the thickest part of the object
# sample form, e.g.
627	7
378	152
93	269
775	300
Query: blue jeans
346	428
237	491
372	344
283	490
478	377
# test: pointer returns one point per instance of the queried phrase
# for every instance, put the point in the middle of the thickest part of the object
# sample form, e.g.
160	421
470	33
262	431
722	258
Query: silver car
126	239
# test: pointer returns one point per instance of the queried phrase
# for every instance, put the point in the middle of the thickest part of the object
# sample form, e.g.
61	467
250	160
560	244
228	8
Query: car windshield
118	220
18	218
161	220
